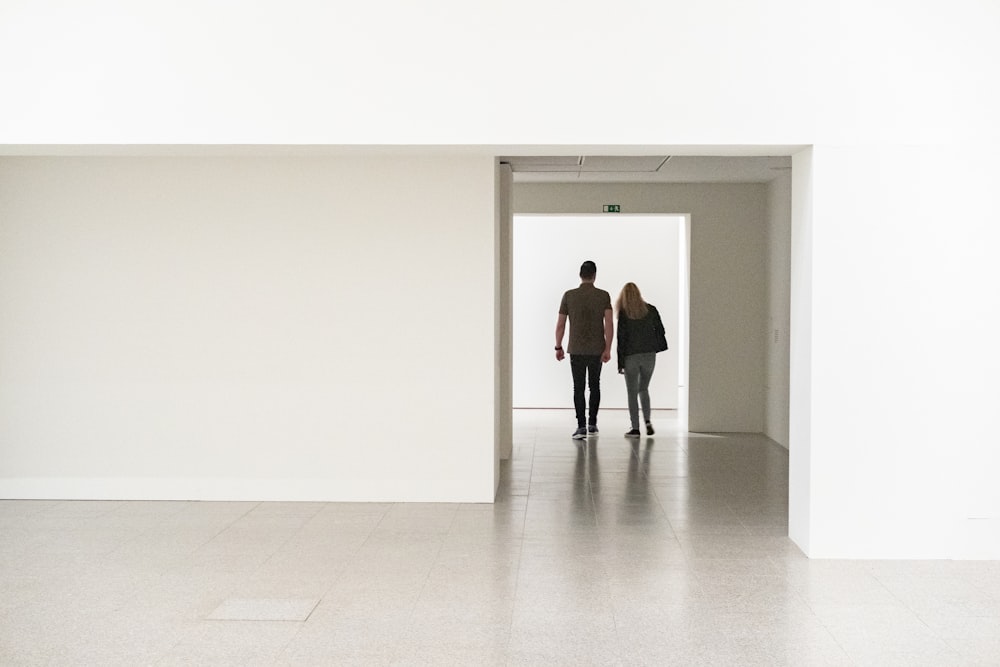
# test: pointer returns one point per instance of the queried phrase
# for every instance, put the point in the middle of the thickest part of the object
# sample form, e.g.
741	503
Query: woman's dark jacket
643	335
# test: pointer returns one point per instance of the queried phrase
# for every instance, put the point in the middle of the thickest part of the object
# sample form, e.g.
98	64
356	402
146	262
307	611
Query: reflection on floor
667	550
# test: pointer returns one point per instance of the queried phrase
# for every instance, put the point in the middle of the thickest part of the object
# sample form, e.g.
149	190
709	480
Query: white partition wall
895	369
244	328
779	238
548	251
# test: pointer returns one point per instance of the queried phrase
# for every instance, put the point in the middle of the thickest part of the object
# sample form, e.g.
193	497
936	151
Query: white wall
727	269
904	320
548	251
779	253
503	433
899	101
800	400
246	328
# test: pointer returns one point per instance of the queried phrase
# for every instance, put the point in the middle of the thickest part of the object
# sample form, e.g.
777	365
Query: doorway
649	250
737	233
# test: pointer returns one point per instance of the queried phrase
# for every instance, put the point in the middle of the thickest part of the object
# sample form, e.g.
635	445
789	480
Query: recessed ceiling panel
620	163
543	162
650	169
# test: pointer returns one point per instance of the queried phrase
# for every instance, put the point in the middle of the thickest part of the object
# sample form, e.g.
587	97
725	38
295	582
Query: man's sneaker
592	430
634	433
649	428
580	433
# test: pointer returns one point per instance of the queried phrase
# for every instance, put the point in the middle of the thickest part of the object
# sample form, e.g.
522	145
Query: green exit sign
612	208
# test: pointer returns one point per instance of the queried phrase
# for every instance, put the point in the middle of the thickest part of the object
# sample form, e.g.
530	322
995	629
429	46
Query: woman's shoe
634	433
649	428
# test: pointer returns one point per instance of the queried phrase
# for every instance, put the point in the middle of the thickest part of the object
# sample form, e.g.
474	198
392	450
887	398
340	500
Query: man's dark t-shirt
585	307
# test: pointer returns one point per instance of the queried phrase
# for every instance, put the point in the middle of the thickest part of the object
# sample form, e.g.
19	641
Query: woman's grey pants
638	371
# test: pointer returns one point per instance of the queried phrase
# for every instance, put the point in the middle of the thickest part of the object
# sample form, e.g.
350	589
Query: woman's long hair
630	302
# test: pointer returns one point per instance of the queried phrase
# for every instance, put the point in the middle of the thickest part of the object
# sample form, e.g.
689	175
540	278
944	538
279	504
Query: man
591	329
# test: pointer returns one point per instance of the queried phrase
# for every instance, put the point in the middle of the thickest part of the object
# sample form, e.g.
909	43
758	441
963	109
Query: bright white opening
649	250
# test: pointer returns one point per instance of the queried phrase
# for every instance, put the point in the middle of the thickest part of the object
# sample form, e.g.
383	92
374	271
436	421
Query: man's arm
609	334
560	332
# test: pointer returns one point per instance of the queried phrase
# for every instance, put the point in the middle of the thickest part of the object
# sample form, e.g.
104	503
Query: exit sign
612	208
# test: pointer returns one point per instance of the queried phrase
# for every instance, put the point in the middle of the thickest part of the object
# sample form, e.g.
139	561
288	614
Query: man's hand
560	332
606	357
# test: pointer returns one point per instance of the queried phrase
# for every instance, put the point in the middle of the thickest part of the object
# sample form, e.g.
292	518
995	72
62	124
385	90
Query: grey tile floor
669	550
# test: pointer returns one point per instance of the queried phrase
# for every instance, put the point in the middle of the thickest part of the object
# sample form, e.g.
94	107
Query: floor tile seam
302	626
436	559
831	632
278	549
513	606
620	641
901	601
961	651
151	530
396	648
175	645
590	488
375	527
226	527
520	562
531	466
749	528
905	604
518	599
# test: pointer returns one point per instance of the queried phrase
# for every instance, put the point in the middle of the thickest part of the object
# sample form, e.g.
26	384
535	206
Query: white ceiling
646	168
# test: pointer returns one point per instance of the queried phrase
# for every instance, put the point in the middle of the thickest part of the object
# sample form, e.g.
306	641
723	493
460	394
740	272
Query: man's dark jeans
584	367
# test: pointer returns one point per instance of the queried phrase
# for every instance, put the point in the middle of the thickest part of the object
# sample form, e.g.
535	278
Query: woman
640	337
